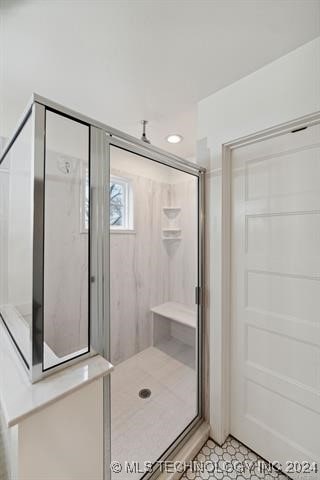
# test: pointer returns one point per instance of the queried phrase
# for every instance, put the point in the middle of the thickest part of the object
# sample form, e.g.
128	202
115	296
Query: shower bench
174	320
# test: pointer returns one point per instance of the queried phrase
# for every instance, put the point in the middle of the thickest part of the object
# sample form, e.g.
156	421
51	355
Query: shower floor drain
145	393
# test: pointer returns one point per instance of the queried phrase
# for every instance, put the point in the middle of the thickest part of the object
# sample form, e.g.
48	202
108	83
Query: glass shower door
154	326
115	258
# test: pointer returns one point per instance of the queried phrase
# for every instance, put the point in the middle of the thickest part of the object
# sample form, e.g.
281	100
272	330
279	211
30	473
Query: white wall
64	441
279	92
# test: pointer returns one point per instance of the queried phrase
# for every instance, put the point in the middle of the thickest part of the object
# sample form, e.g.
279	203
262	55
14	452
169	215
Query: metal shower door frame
153	154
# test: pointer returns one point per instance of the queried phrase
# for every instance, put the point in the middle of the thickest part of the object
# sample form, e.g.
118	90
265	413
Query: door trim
220	376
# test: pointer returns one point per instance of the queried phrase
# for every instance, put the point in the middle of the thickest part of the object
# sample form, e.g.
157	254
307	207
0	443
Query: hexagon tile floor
231	461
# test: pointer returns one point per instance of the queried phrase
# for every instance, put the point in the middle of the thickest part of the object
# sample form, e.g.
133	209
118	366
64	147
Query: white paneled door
275	319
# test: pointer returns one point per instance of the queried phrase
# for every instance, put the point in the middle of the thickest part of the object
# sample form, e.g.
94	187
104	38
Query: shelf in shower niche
171	212
171	238
171	230
171	233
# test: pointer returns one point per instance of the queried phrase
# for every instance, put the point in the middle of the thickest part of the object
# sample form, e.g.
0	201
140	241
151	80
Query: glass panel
154	319
16	233
66	246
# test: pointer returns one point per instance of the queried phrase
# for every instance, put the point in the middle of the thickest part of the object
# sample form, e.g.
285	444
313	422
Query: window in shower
120	202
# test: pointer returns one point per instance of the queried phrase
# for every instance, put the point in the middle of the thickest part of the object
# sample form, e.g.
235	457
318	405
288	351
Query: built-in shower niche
44	244
175	321
171	229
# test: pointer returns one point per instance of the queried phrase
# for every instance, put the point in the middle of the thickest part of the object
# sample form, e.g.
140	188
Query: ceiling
126	60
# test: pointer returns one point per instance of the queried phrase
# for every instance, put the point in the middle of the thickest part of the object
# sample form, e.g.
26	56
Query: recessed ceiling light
174	138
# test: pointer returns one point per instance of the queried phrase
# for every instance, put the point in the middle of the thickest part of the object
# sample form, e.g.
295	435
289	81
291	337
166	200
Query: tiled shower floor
142	429
222	459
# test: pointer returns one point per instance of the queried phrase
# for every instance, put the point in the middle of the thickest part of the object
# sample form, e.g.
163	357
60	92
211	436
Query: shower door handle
197	295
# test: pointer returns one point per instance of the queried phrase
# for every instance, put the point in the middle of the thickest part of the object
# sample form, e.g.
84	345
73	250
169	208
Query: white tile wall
145	269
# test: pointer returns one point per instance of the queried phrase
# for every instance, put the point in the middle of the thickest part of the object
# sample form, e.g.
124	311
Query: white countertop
178	312
20	398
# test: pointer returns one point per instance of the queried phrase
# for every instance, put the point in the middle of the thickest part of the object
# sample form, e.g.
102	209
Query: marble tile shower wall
183	261
66	263
139	270
146	270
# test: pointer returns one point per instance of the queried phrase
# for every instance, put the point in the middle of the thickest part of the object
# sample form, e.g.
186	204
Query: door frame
220	336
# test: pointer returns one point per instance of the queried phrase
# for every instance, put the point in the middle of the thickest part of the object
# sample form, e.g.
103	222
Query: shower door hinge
198	295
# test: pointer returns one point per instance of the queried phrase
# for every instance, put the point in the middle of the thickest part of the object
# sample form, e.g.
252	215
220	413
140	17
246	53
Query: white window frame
128	200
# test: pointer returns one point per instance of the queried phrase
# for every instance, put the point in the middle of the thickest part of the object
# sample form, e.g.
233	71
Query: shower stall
101	252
